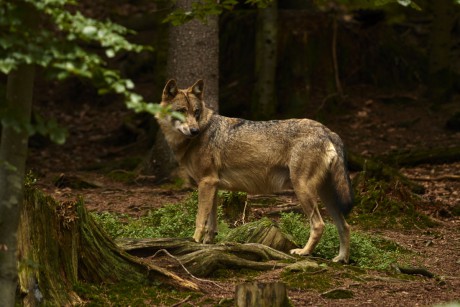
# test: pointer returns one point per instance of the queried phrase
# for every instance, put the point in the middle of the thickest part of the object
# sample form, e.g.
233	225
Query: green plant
366	251
172	220
296	225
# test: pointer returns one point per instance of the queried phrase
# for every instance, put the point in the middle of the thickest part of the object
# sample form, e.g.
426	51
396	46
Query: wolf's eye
182	110
197	113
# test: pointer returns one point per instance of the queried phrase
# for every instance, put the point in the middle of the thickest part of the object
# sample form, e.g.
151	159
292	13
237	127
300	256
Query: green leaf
405	2
59	136
89	30
110	53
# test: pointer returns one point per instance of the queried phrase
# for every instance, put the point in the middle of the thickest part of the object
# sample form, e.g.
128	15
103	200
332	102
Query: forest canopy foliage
57	39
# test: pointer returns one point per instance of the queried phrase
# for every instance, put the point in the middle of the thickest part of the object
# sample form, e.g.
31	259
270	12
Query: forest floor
370	127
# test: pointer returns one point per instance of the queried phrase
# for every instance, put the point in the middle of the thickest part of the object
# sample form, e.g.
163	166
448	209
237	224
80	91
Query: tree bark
252	294
60	245
264	102
440	44
13	154
193	53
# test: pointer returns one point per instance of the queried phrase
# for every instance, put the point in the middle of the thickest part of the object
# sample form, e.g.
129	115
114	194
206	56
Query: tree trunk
440	44
193	54
60	245
13	154
264	102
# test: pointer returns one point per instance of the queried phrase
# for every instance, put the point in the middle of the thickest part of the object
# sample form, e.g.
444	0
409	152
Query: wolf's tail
336	192
340	185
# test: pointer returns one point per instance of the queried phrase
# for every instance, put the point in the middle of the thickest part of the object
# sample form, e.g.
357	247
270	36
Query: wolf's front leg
206	219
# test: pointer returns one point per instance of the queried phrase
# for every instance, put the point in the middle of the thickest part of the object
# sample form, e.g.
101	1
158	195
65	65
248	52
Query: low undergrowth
170	221
386	204
178	220
131	294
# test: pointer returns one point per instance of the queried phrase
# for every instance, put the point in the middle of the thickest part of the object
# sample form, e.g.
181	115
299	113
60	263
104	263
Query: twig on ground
181	302
188	272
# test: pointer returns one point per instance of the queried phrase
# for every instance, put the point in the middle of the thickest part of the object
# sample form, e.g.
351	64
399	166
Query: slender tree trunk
13	153
335	63
264	103
193	54
440	44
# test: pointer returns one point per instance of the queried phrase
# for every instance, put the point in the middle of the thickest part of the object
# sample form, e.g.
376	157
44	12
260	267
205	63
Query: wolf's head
189	103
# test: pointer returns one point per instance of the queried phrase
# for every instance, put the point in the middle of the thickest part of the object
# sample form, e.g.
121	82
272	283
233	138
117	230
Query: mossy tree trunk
61	245
13	153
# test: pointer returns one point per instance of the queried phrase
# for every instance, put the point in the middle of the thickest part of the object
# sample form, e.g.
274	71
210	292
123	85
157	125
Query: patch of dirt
371	127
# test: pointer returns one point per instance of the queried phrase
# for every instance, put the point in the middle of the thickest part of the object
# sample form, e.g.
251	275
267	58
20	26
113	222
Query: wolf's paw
209	237
299	251
199	235
341	259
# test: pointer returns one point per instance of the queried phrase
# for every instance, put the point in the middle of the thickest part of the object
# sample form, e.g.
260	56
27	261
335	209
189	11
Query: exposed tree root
204	259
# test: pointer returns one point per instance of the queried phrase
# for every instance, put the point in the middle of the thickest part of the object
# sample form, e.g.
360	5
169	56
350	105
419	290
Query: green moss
128	163
456	210
225	274
172	220
122	176
243	233
338	294
386	204
131	294
319	279
366	251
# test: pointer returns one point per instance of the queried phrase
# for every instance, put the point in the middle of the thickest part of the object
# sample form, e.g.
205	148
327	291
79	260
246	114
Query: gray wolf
219	152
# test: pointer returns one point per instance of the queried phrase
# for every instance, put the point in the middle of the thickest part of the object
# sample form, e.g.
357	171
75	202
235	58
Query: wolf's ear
170	91
197	89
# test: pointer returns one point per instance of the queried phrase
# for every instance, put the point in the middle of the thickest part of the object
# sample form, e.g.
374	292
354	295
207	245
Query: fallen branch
414	271
437	178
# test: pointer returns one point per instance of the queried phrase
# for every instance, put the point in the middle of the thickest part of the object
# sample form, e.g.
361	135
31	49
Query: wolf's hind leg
328	197
310	208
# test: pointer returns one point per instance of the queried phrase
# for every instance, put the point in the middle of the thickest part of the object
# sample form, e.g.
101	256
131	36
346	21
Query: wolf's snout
194	131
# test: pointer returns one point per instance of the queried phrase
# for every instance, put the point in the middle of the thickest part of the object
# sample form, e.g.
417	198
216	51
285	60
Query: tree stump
60	245
256	294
